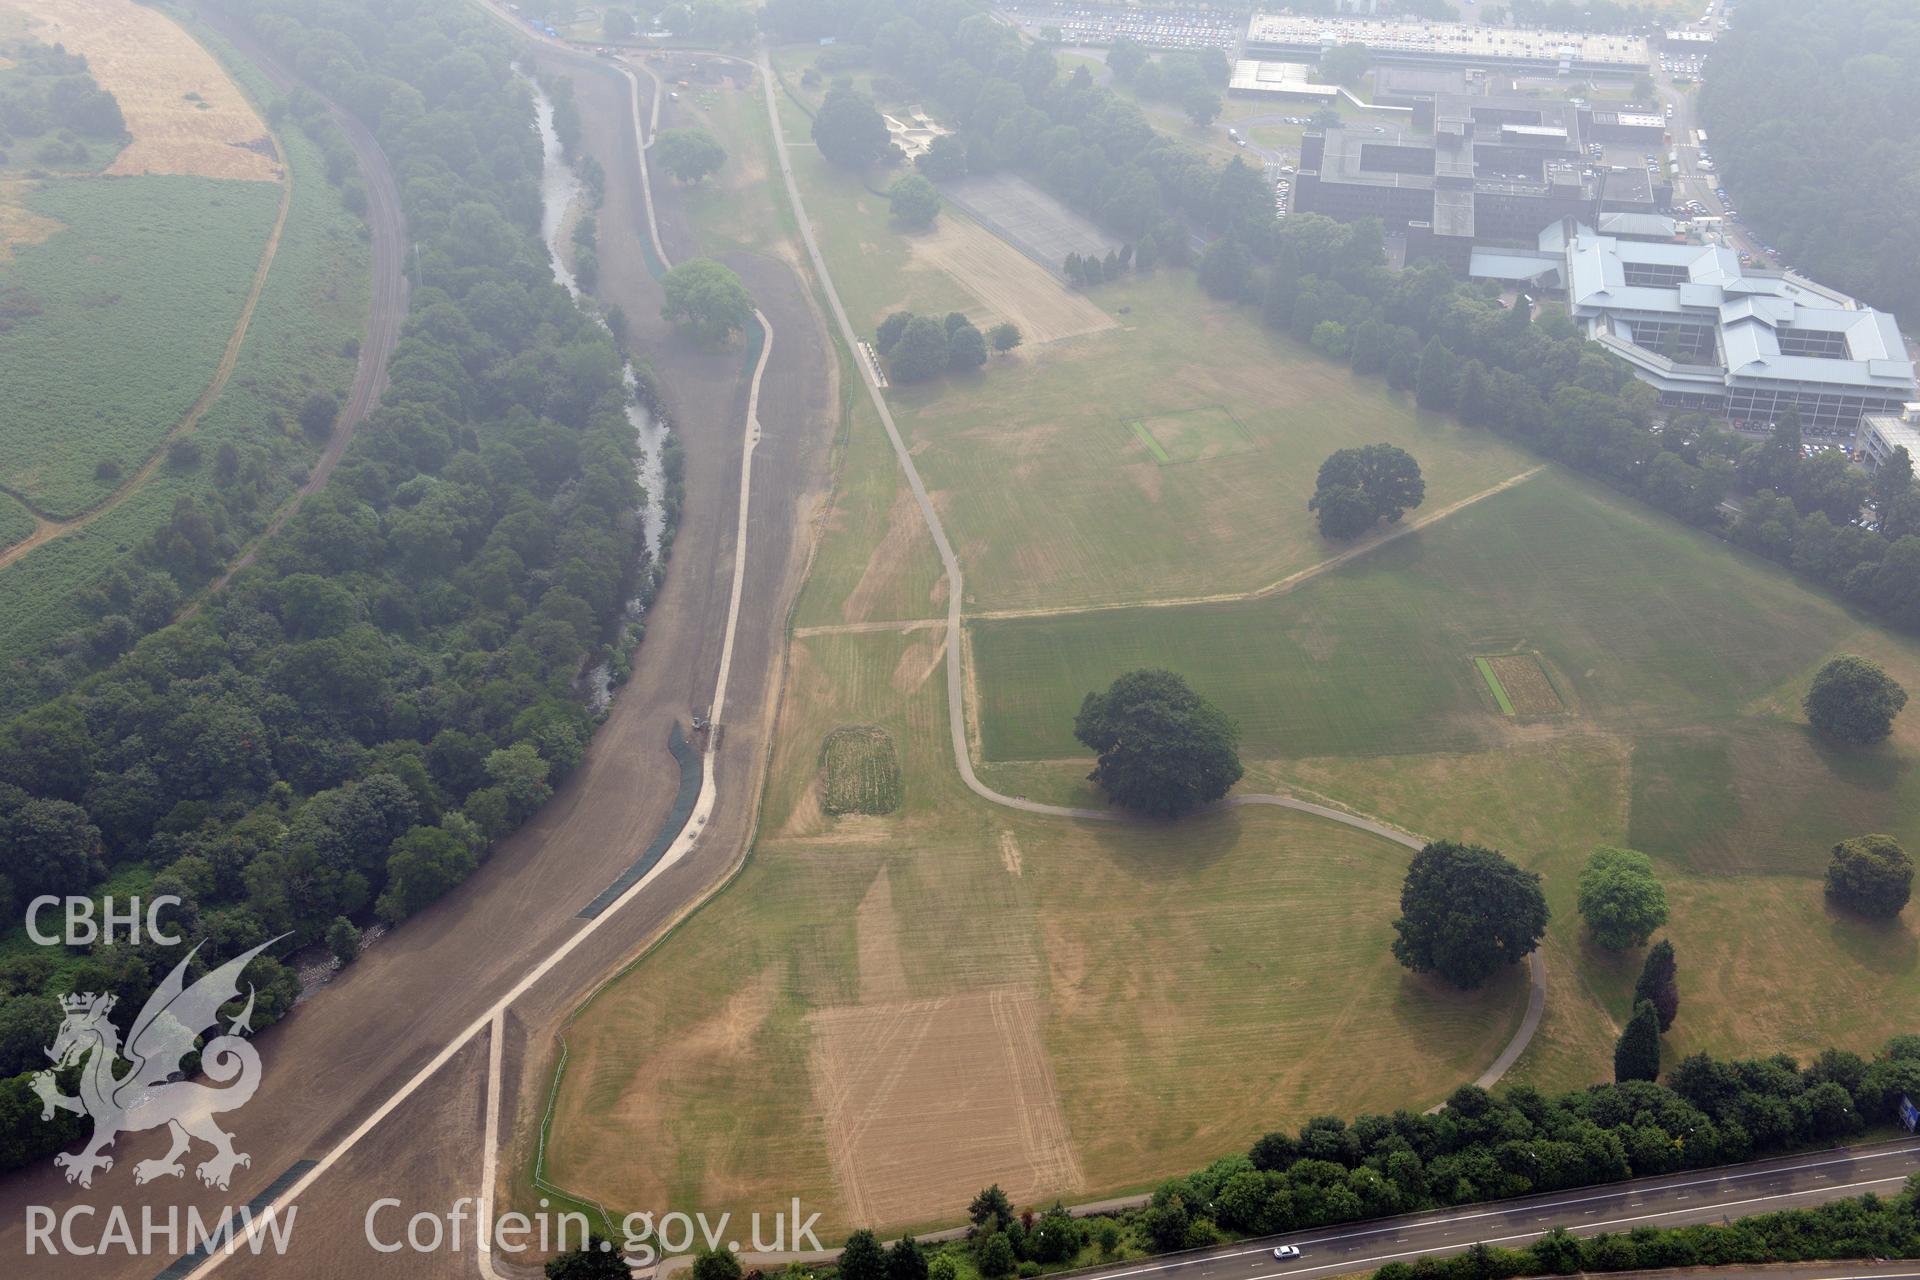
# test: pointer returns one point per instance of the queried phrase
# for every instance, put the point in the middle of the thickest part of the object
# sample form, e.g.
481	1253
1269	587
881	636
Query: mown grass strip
1153	445
1493	683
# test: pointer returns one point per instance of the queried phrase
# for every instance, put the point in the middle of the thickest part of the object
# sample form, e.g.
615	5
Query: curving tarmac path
956	681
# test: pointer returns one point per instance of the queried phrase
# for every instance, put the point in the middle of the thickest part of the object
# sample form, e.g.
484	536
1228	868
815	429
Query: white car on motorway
1286	1253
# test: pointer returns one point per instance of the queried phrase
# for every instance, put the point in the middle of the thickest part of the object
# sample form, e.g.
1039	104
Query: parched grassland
137	296
1163	998
1054	500
859	772
1686	660
186	114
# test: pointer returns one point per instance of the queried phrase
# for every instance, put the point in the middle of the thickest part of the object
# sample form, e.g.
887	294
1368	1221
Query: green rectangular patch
1192	435
1493	683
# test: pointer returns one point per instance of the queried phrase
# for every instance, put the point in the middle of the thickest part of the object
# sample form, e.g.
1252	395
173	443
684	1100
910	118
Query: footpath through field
950	564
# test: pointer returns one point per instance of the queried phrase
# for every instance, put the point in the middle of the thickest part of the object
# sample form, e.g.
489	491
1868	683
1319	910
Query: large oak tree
1164	750
1466	912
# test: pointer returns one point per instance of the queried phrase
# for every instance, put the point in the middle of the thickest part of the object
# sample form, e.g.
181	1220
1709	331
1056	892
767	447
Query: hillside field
135	299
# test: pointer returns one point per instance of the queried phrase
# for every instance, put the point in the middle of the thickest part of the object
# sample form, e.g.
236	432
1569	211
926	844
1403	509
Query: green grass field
137	297
16	522
314	300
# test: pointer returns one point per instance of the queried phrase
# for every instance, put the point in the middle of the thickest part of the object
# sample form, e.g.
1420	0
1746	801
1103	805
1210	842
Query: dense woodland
348	728
1811	110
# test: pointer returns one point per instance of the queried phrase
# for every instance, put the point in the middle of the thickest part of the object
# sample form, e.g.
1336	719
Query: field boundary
48	528
1280	586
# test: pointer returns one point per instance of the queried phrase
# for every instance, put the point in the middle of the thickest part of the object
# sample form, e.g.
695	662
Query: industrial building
1469	168
1303	37
1709	334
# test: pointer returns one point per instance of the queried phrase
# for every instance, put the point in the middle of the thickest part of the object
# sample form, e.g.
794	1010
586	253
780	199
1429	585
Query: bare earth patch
965	1076
1010	285
184	112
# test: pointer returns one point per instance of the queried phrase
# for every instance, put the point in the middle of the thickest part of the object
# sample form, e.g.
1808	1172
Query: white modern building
1710	334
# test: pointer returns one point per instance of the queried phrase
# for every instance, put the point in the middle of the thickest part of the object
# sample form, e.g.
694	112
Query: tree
1620	898
317	413
991	1210
913	201
966	349
1345	64
1125	57
944	159
426	862
1853	701
1636	1055
921	352
848	131
1892	481
994	1256
595	1260
1226	269
862	1258
1163	749
343	940
706	300
1358	488
716	1264
888	335
1004	336
906	1260
1436	383
1659	983
1871	875
1465	912
1202	106
688	154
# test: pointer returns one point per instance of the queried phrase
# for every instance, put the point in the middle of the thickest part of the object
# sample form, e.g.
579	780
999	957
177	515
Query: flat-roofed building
1455	44
1252	79
1711	334
1881	434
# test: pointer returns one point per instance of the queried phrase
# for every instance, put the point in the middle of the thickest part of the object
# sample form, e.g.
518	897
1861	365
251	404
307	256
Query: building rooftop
1450	39
1768	325
1253	76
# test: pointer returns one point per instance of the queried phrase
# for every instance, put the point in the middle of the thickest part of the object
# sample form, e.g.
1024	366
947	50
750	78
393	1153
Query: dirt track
332	1064
387	305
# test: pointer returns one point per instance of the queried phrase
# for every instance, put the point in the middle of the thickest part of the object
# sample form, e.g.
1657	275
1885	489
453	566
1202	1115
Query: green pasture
137	296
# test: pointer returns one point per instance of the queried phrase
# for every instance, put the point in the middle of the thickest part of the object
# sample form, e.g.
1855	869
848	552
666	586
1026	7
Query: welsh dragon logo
147	1095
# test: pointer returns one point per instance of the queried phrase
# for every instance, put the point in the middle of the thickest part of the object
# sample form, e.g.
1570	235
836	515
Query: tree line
347	729
1869	1226
1482	1146
1541	382
1086	145
1810	110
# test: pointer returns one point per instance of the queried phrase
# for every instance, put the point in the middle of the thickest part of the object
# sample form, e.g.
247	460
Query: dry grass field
1066	1008
1010	285
185	113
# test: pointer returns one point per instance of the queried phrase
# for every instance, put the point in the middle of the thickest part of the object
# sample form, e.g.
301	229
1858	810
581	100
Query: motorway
1710	1195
